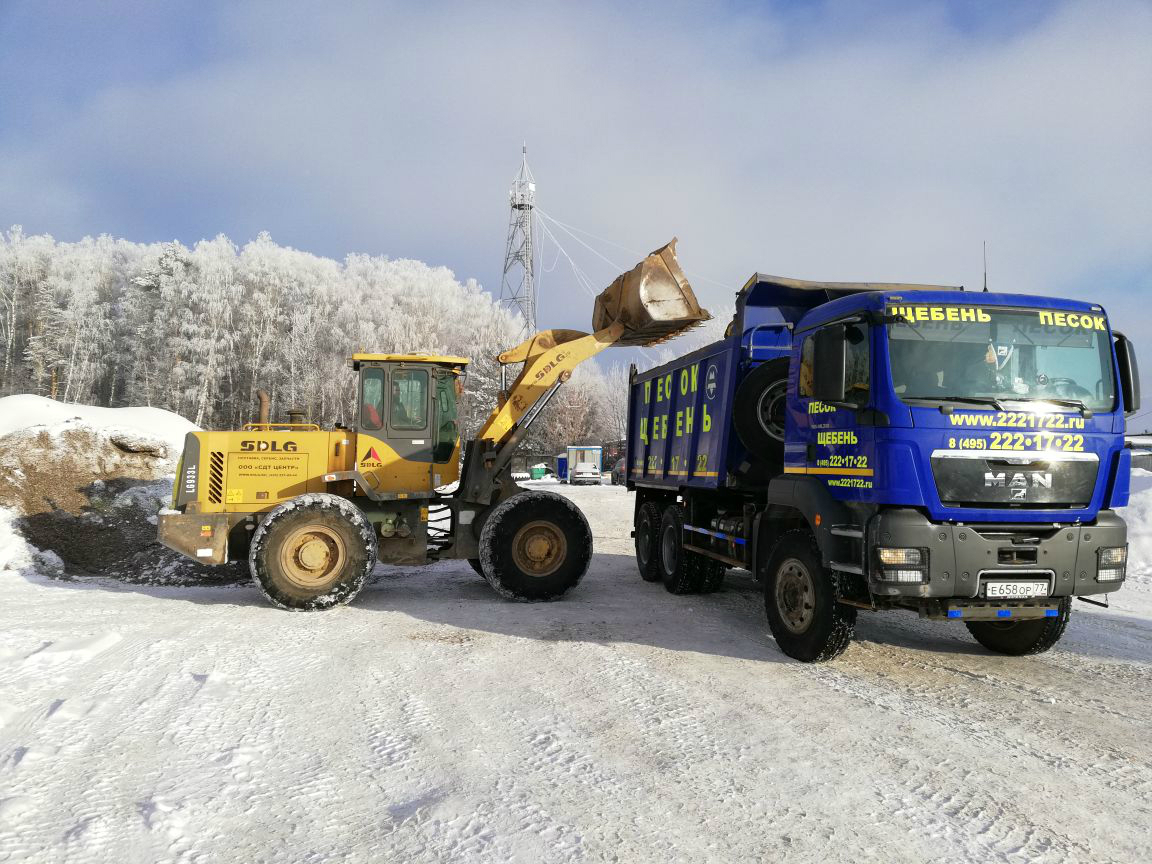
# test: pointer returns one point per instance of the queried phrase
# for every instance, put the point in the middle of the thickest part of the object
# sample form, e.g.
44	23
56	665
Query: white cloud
821	145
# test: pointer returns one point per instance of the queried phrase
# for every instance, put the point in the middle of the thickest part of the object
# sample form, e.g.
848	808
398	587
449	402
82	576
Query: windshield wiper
1084	410
968	400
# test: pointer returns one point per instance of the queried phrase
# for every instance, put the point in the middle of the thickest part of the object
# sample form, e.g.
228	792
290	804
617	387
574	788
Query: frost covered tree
199	330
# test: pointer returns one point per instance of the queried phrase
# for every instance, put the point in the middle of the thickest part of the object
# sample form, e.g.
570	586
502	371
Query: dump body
679	430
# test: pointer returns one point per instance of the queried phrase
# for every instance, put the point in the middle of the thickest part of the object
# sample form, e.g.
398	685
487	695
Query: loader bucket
653	301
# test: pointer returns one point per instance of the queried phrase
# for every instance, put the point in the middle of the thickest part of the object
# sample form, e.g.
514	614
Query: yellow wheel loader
314	509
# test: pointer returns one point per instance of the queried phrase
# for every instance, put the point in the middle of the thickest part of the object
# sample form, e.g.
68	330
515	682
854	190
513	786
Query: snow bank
139	426
84	484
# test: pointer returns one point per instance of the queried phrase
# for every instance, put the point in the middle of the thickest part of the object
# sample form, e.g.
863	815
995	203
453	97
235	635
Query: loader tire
648	541
535	546
800	599
478	567
1017	638
759	411
312	552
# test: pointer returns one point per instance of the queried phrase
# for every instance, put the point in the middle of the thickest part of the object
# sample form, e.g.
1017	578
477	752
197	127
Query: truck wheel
1016	638
535	546
800	601
676	570
312	552
759	411
648	541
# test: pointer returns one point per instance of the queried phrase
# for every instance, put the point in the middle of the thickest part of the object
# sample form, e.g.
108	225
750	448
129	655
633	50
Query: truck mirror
828	364
1129	373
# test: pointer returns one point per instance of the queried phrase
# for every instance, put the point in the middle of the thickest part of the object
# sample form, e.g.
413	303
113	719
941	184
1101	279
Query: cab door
394	440
446	429
831	441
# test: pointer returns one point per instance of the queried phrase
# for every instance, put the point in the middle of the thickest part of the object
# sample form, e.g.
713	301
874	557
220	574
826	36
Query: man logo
710	382
1018	484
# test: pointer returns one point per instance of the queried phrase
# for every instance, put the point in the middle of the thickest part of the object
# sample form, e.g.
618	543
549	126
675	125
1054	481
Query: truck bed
678	429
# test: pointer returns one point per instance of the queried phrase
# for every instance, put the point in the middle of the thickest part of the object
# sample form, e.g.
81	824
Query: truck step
847	568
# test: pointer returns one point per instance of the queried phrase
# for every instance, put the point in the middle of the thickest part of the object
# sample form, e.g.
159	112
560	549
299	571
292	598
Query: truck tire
800	601
478	567
535	546
1017	638
648	541
759	411
312	552
677	569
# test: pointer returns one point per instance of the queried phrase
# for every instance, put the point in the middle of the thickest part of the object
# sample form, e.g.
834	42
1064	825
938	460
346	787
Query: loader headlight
1111	562
908	566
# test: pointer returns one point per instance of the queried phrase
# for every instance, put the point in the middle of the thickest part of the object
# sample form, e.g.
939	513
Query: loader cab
407	439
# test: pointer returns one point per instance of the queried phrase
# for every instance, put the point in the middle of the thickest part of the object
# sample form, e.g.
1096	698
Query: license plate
1015	590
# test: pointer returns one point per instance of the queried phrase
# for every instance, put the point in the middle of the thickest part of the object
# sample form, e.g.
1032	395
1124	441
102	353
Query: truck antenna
985	266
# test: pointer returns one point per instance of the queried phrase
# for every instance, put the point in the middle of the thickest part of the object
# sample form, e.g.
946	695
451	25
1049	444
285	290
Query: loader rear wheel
760	409
312	552
1017	638
535	546
648	541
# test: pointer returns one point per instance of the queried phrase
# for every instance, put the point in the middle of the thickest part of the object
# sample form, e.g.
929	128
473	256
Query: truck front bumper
202	536
962	559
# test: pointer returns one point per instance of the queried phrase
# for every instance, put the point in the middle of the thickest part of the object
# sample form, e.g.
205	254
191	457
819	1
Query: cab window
807	359
409	403
857	363
447	429
372	399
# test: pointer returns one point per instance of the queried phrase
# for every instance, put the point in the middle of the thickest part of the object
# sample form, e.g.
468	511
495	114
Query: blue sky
833	140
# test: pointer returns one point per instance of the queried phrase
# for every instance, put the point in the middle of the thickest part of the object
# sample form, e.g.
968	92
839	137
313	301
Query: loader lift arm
648	304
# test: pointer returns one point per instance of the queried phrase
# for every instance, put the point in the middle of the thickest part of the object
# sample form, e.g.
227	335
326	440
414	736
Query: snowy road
431	721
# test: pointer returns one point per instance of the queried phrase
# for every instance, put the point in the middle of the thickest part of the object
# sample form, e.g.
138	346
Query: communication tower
518	289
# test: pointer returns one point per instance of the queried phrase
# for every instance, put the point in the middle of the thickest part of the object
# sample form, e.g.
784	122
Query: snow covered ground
432	721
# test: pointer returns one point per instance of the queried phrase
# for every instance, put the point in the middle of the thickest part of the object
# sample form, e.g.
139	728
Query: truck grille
215	477
1014	478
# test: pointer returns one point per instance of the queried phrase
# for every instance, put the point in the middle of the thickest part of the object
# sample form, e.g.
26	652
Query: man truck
884	446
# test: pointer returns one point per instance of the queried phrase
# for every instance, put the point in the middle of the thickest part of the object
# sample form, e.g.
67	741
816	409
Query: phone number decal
1020	441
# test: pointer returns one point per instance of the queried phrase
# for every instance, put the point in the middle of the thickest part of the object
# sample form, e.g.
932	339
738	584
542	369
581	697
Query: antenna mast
985	266
518	288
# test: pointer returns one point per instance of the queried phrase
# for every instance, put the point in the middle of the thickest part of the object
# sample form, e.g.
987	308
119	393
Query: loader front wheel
312	552
535	546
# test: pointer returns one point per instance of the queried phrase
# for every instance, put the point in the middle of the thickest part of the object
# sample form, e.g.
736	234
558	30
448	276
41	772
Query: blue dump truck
882	446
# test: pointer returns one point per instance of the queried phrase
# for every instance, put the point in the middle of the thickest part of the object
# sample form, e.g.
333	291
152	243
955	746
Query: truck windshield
985	353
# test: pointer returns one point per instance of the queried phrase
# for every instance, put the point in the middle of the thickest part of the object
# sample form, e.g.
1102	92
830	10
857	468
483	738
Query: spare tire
760	411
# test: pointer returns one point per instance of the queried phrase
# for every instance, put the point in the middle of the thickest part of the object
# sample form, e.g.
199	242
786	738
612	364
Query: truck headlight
902	565
1111	562
889	555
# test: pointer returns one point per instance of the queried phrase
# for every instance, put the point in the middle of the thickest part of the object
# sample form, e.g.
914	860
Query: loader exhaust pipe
265	410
